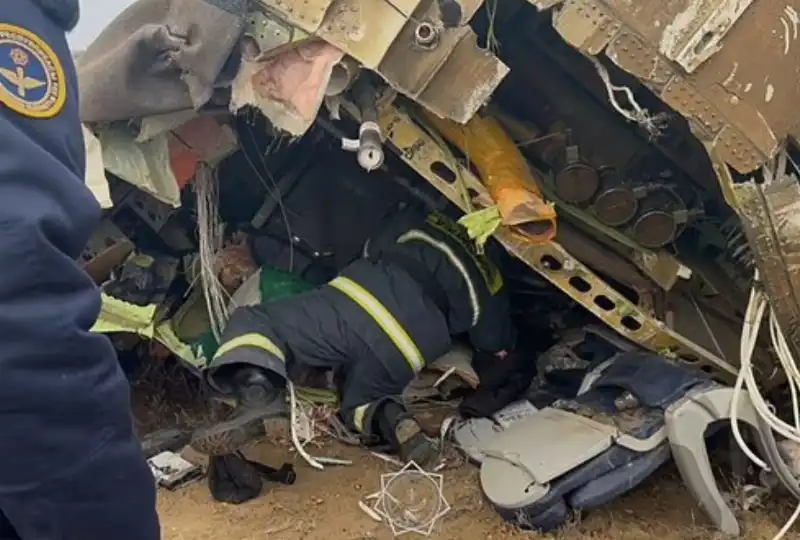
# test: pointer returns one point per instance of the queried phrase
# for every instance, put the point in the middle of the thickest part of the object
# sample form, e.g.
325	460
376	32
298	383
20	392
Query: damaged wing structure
621	178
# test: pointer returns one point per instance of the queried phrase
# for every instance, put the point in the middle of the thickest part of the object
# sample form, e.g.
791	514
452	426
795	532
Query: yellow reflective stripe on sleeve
449	254
358	417
252	339
385	320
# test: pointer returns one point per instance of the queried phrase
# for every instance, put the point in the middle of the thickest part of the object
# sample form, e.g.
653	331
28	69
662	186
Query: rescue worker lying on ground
376	326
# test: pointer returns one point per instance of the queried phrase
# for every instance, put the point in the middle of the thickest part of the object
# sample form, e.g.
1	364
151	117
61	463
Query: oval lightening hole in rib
580	284
551	263
604	302
443	171
631	324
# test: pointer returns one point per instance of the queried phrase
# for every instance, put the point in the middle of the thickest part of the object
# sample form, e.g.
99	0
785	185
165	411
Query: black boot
254	388
406	436
258	399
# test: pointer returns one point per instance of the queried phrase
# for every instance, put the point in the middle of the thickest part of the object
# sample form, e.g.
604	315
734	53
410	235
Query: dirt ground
323	505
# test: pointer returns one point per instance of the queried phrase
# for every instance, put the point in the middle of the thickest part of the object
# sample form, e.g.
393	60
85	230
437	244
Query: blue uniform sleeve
71	466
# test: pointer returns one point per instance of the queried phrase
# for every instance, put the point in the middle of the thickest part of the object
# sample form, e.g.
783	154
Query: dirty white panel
145	165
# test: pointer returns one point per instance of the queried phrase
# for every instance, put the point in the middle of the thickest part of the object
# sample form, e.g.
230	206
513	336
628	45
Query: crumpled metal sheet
696	33
706	60
452	78
771	215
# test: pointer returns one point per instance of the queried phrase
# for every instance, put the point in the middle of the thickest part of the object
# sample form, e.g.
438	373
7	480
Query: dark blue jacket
71	466
477	299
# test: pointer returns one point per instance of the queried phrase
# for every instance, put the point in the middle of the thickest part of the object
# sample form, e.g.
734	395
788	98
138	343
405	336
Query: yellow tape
165	335
119	316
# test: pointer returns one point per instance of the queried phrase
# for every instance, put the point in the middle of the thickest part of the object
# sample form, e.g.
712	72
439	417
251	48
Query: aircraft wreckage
637	159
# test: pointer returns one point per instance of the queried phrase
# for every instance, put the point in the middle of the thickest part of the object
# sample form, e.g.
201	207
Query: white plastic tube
756	308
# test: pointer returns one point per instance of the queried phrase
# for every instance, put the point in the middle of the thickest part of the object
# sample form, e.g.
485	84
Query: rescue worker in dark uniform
377	325
71	466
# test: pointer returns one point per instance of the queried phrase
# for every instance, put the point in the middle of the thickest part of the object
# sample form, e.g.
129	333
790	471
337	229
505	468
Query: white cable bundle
752	323
636	113
210	234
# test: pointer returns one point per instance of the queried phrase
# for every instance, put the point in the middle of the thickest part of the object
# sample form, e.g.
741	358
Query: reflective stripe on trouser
367	387
391	327
252	339
364	419
359	414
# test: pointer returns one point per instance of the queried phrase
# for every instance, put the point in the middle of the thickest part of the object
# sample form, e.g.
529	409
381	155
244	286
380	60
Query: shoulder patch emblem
31	76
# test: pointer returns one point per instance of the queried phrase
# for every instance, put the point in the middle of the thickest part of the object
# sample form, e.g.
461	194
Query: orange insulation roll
505	172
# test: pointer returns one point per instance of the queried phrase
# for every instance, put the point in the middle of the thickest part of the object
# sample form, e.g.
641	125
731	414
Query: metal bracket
420	151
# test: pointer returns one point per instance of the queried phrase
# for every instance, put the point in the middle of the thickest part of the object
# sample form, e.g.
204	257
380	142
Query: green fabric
277	284
274	285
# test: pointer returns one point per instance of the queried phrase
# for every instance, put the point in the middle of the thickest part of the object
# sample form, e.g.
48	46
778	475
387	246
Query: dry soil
323	505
